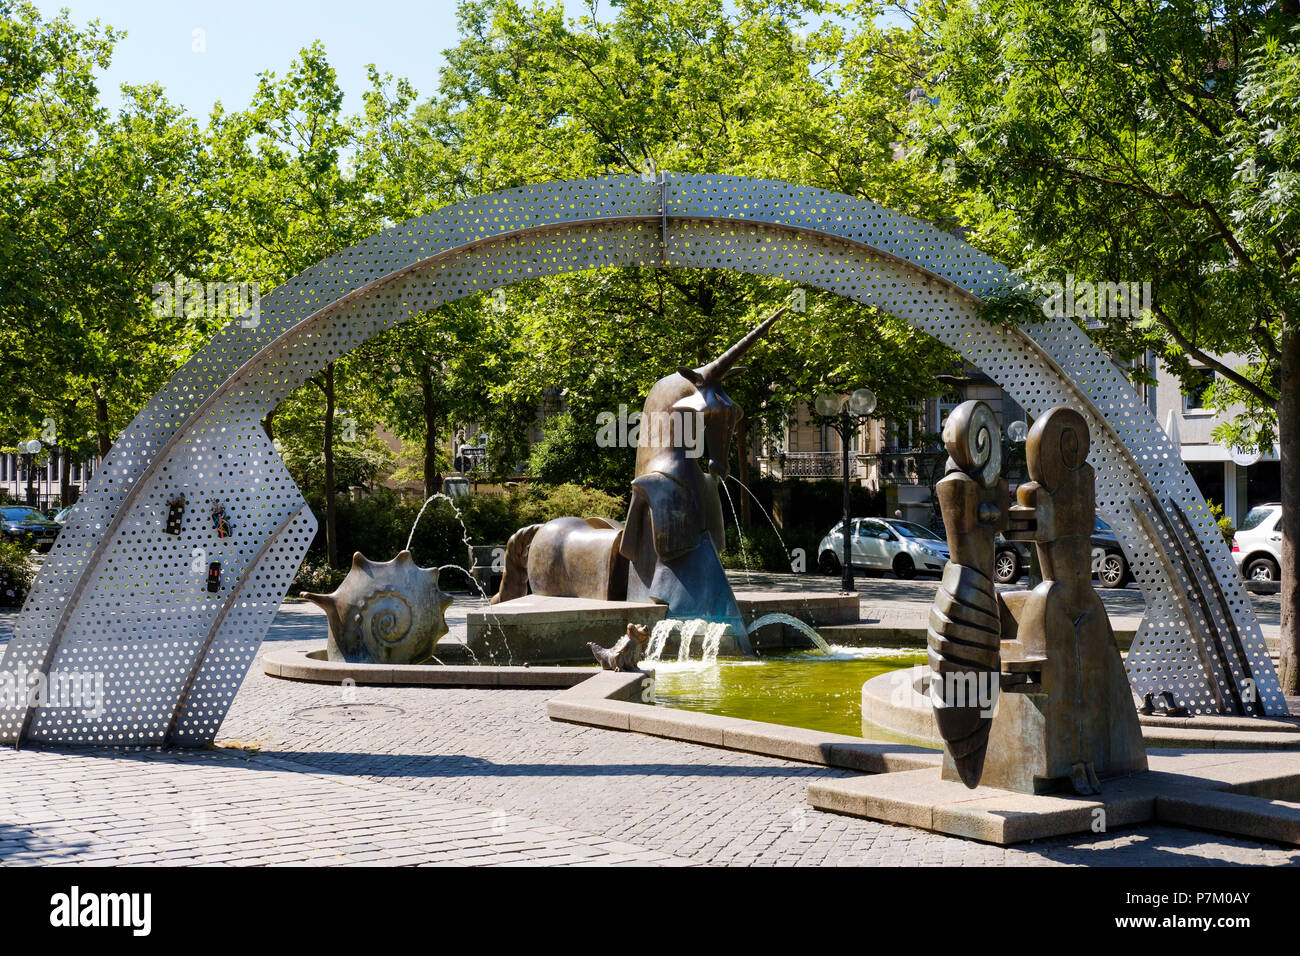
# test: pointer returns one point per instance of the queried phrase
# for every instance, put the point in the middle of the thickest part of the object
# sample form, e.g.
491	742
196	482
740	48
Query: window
20	514
874	529
909	529
1258	515
947	402
905	434
1194	388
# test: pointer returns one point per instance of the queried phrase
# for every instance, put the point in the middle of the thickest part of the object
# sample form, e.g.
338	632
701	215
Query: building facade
1237	485
900	459
35	480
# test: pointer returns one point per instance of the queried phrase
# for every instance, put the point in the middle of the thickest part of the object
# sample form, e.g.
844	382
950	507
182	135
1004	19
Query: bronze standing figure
1090	728
965	622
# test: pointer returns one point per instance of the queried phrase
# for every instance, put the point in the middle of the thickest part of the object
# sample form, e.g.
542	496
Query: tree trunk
432	477
65	472
1288	433
331	527
101	421
65	476
742	472
268	425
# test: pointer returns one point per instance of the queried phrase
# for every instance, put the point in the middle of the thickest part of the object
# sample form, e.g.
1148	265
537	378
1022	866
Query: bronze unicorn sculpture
667	551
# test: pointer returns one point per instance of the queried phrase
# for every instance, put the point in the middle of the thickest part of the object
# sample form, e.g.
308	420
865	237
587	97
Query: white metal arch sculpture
121	598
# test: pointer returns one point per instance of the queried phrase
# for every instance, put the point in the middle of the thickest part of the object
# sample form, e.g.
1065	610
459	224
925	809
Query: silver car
885	544
1257	545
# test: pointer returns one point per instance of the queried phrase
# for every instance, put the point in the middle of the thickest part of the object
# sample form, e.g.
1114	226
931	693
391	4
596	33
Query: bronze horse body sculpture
668	549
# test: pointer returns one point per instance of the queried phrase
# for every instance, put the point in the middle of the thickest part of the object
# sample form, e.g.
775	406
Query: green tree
688	86
123	215
1127	141
440	373
48	110
285	200
437	359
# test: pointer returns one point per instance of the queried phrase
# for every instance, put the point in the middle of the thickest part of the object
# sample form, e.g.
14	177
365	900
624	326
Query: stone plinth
540	629
555	630
828	609
1249	795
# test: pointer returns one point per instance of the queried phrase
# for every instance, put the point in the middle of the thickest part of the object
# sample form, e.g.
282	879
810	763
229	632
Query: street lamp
31	449
845	416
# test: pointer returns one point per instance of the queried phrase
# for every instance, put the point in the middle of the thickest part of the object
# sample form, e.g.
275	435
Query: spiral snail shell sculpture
385	612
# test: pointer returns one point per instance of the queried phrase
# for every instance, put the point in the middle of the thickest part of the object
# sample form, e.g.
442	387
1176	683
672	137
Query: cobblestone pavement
315	774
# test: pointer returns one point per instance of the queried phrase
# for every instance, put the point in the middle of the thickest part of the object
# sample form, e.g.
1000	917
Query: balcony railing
901	467
814	464
905	467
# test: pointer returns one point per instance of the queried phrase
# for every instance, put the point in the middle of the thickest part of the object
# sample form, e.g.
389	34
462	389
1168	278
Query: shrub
762	549
379	524
317	578
489	519
543	503
16	573
1223	521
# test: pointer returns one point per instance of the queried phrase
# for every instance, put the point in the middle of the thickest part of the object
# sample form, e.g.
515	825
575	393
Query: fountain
803	627
571	586
766	514
574	581
710	645
388	612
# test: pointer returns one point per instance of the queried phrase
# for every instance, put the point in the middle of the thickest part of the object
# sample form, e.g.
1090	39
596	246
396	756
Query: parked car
884	544
1257	545
1011	560
28	527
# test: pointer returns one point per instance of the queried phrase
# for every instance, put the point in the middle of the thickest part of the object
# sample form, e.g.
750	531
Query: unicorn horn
718	369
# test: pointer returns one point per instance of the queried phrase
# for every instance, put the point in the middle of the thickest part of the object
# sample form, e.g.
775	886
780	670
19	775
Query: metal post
846	580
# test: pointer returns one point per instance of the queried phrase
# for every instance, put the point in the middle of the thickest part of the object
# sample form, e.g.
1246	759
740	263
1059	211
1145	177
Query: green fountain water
798	689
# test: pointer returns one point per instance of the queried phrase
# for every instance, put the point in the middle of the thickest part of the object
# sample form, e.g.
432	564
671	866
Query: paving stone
427	786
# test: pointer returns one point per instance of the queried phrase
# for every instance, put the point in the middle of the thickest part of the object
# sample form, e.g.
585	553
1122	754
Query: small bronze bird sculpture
625	653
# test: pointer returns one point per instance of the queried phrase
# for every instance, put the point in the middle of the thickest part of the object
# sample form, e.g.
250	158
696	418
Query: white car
1257	545
884	544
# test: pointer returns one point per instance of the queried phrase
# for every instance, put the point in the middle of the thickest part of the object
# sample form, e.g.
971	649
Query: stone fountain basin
313	666
897	706
554	630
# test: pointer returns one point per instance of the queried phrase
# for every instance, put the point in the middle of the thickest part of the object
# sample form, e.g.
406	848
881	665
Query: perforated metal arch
121	598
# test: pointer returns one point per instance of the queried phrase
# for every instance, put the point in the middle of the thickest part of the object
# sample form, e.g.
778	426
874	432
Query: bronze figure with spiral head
1084	724
965	624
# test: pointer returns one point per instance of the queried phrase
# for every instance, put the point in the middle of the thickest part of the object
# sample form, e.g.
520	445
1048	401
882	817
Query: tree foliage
688	86
1126	141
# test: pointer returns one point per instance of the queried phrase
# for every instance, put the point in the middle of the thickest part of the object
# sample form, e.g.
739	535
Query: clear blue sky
243	38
